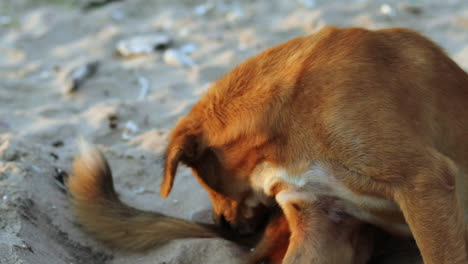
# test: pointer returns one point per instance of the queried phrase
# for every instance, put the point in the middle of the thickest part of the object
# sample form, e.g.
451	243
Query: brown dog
375	119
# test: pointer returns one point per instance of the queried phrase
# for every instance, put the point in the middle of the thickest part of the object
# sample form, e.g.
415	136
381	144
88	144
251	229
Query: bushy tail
101	213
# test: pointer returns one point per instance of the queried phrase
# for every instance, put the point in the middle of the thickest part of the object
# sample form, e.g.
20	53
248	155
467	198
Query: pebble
413	9
60	178
144	87
140	190
113	121
131	126
387	10
5	197
144	44
176	58
57	144
54	156
130	129
93	4
77	76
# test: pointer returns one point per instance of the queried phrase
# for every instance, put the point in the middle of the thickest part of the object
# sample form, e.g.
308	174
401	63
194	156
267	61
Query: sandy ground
41	40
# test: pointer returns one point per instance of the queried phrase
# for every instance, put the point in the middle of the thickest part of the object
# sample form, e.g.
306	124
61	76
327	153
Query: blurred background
120	73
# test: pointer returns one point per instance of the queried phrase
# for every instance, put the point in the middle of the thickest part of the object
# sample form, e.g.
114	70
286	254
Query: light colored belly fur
319	181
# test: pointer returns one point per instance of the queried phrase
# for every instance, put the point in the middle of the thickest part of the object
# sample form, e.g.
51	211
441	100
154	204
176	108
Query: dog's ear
208	170
184	146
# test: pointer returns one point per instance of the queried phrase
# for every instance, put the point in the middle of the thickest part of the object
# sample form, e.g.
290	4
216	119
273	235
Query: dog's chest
319	181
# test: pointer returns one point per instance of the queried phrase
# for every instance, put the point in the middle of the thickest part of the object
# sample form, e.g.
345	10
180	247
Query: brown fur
384	111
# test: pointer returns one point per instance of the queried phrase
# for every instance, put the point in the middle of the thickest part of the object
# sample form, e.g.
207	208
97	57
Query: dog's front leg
322	235
432	209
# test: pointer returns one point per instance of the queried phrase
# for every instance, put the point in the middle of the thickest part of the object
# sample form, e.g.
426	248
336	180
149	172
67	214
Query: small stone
144	44
5	197
140	190
77	76
131	126
130	129
175	201
53	155
57	144
93	4
176	58
413	9
113	121
144	87
387	10
60	178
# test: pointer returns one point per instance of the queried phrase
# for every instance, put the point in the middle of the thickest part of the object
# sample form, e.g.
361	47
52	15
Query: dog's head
223	169
240	123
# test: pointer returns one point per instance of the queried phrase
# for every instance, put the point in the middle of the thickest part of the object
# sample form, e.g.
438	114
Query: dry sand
41	40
